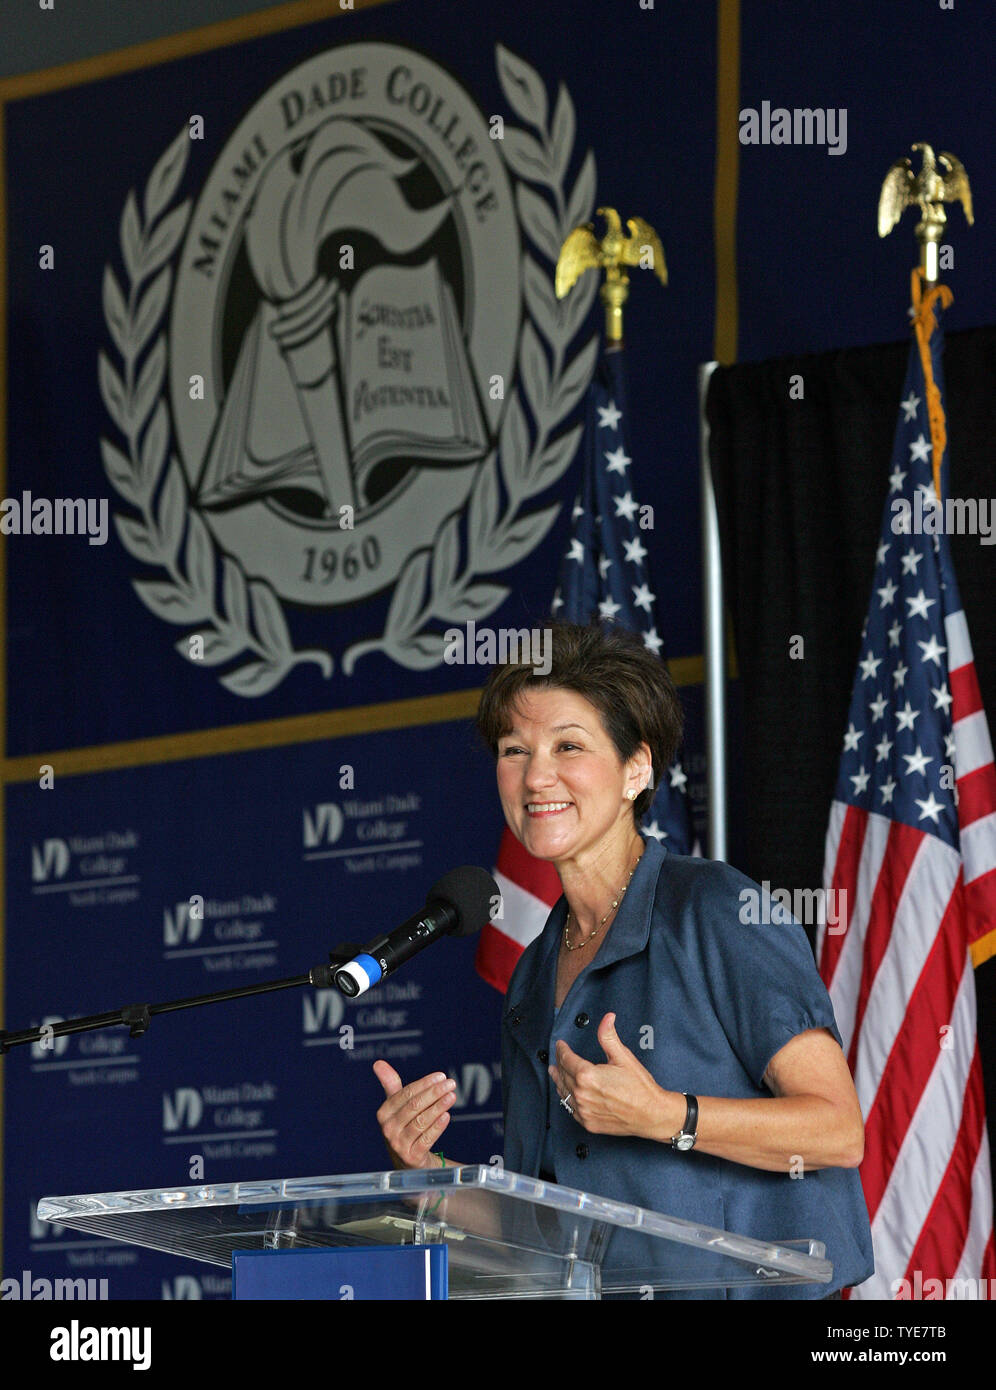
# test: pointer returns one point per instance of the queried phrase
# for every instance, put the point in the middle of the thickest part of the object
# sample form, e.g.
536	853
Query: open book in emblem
392	354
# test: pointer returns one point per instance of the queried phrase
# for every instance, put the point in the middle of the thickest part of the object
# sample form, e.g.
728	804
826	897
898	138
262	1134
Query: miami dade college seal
362	397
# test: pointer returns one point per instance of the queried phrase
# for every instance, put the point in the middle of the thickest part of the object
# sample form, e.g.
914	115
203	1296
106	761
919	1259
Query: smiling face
560	779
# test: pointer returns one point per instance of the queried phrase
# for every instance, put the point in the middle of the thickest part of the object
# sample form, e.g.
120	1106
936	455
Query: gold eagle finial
929	191
584	251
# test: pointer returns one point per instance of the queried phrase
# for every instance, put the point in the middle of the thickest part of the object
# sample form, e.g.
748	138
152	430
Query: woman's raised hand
414	1116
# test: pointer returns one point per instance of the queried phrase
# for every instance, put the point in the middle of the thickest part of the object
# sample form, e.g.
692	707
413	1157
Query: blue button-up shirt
704	1001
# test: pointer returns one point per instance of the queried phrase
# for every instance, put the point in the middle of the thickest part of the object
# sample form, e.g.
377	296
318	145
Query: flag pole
714	644
604	555
929	191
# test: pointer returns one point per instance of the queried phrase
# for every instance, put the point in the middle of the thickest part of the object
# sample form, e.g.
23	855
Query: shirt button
543	1055
582	1020
582	1151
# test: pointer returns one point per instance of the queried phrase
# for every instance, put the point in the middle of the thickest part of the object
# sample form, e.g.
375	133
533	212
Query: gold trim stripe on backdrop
3	486
727	176
3	647
275	19
275	733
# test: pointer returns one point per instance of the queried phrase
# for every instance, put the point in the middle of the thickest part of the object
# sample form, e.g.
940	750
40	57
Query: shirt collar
629	933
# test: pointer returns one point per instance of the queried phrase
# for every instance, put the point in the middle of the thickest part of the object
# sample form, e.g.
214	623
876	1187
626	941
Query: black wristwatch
686	1136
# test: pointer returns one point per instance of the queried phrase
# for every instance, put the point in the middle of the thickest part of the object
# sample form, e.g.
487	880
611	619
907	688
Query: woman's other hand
618	1096
414	1116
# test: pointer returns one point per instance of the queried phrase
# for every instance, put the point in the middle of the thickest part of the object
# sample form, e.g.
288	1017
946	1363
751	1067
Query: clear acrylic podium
507	1236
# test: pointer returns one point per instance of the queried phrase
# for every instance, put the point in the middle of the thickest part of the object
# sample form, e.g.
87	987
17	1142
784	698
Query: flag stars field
919	603
626	506
916	762
942	698
932	650
618	460
929	495
930	808
888	593
851	737
906	718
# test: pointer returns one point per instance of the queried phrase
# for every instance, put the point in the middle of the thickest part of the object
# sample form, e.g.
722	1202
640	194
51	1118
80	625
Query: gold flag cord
924	324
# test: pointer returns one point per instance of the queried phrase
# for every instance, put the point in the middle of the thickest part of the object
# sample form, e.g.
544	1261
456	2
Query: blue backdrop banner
289	396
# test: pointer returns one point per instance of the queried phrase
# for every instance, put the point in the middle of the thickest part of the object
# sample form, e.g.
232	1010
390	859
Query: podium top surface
504	1230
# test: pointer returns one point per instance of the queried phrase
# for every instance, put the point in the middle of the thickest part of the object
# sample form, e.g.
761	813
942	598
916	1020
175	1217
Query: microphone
459	904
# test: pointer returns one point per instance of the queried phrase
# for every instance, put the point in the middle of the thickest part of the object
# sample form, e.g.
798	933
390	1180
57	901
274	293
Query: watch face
684	1142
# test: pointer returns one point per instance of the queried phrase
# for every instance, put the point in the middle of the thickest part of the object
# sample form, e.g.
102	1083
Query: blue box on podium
409	1272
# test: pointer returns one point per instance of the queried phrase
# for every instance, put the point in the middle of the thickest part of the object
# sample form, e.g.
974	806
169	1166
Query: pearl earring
631	794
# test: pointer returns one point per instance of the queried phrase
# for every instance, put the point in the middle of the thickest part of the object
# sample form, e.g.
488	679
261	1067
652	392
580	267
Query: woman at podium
660	1044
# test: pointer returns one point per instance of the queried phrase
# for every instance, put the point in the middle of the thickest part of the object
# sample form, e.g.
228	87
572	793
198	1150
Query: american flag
603	573
912	843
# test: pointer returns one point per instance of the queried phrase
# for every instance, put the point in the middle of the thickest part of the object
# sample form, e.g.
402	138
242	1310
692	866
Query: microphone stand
137	1017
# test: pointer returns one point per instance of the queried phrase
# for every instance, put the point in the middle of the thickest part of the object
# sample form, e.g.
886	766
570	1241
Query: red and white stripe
901	982
976	782
529	888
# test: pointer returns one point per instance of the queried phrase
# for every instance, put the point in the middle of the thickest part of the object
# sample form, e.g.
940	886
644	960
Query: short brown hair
612	670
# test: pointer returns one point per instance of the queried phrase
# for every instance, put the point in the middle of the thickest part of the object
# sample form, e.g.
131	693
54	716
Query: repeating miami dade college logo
344	368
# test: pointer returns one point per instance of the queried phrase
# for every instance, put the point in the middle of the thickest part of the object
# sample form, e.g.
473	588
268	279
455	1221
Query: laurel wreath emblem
151	479
171	534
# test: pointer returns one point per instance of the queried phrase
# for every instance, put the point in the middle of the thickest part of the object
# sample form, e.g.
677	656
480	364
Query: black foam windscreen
471	892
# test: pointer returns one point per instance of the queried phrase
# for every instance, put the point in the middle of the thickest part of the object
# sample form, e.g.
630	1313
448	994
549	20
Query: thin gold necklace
615	903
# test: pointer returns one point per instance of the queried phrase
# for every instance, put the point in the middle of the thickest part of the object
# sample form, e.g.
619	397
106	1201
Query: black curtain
800	487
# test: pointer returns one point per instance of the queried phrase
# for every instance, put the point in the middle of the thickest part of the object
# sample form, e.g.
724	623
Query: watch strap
689	1130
